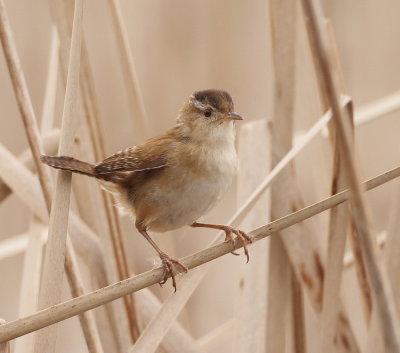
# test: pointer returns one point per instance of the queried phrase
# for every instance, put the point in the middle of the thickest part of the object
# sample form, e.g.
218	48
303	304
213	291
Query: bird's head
208	112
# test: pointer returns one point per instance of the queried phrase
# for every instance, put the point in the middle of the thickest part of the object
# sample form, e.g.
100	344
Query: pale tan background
181	46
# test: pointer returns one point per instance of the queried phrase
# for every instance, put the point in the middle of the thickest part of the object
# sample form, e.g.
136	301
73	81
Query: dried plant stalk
299	327
119	267
14	245
24	184
50	142
30	281
250	337
87	319
381	290
213	337
5	346
23	100
50	95
377	108
155	331
31	129
53	267
178	340
391	261
134	95
20	180
338	223
89	301
339	217
283	21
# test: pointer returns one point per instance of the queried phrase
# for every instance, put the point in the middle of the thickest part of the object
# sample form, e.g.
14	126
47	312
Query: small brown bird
173	179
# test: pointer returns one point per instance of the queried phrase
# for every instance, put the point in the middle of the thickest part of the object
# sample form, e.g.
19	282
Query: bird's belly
186	201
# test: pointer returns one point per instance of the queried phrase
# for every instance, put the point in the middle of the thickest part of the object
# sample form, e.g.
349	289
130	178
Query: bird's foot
168	265
229	231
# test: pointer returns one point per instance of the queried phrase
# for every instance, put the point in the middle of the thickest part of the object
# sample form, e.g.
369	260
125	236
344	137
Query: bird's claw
168	263
229	231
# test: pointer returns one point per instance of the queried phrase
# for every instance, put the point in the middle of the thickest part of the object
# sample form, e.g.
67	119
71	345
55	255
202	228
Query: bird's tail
69	163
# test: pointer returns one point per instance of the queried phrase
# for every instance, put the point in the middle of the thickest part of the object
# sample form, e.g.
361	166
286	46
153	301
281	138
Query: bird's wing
150	155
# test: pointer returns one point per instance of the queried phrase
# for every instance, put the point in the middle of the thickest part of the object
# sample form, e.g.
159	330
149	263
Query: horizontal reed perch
104	295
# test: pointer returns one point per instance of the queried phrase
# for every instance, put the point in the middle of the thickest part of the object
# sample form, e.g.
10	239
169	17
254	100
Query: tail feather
69	163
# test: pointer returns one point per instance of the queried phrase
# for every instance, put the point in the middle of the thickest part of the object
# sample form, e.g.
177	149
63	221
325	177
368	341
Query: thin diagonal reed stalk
61	11
89	301
4	347
338	219
27	113
23	100
379	285
134	94
53	266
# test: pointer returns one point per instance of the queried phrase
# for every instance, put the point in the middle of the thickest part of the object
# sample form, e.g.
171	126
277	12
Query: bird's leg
167	261
228	235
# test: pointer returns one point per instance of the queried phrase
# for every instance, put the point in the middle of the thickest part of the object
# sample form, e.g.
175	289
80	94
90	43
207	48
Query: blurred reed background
139	62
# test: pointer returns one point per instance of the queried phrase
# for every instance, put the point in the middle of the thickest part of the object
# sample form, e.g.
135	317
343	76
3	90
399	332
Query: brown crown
220	100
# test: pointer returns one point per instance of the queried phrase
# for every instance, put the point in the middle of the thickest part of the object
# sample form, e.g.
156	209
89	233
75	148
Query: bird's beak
234	116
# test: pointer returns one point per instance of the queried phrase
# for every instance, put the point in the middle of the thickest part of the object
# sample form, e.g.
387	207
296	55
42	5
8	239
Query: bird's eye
207	113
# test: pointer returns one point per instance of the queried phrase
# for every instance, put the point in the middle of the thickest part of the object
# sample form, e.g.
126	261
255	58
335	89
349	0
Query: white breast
193	194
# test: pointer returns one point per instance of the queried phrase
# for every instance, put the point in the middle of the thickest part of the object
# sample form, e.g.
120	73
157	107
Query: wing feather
150	155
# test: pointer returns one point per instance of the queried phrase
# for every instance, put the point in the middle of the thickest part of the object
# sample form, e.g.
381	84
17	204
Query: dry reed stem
20	181
391	256
50	94
112	214
253	136
5	346
24	184
113	223
101	296
155	331
23	100
214	337
379	285
30	280
87	319
148	304
50	142
283	16
348	259
377	108
120	260
284	162
178	340
278	297
91	114
338	225
348	114
134	95
26	109
53	266
298	318
34	252
391	260
13	245
61	12
338	219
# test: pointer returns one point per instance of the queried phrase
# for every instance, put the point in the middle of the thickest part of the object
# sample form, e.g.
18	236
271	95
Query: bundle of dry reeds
87	78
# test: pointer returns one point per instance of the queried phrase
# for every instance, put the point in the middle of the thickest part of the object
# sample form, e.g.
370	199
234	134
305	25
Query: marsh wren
173	179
